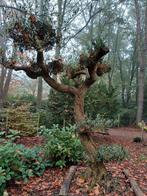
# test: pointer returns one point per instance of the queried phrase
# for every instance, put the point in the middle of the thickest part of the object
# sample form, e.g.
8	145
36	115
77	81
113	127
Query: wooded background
119	95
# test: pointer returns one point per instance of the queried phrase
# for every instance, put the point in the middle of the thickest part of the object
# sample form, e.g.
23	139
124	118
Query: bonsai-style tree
33	34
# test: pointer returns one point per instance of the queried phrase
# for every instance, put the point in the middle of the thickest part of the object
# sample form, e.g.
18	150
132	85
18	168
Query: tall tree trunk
7	83
141	61
60	17
4	85
39	91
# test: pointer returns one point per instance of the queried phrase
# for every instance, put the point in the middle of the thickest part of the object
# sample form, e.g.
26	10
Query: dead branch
66	184
136	189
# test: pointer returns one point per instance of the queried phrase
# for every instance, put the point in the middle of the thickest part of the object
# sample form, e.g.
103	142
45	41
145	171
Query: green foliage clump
113	152
17	100
137	139
20	118
9	134
60	109
127	115
143	157
18	162
62	146
99	123
102	100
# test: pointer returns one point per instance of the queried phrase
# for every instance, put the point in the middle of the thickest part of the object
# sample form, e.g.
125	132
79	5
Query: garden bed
50	183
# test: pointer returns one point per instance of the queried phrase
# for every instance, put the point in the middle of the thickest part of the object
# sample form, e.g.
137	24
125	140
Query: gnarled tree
39	37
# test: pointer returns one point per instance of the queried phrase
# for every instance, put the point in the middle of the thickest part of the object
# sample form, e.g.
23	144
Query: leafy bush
100	122
127	115
102	99
137	139
20	118
60	109
42	131
13	135
18	99
18	162
9	134
62	146
142	125
143	157
111	153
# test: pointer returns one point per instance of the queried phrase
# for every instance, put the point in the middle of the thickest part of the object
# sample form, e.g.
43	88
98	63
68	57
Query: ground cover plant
49	183
62	146
18	162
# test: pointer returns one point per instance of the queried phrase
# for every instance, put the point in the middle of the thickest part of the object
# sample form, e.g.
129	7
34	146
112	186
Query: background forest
120	95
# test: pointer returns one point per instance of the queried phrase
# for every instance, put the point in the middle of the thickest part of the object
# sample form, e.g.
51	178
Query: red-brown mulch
47	185
50	182
136	166
30	142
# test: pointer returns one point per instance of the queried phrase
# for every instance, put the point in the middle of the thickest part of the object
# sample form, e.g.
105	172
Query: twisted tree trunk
94	69
97	169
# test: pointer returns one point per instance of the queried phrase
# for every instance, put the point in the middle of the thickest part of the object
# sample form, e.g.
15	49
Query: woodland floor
49	184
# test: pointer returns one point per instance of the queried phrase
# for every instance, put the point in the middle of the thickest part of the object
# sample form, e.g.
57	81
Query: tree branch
27	69
40	62
14	8
91	16
71	73
58	86
94	68
37	70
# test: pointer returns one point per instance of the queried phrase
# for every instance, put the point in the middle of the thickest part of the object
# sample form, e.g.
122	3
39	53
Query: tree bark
60	17
39	92
141	67
98	169
4	85
79	107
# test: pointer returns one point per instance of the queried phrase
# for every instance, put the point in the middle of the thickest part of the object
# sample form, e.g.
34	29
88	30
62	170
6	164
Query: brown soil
127	133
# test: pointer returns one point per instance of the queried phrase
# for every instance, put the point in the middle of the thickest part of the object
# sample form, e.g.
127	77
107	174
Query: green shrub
102	99
60	109
127	115
9	134
43	131
143	157
137	139
18	162
62	146
18	99
13	135
99	123
112	152
20	118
